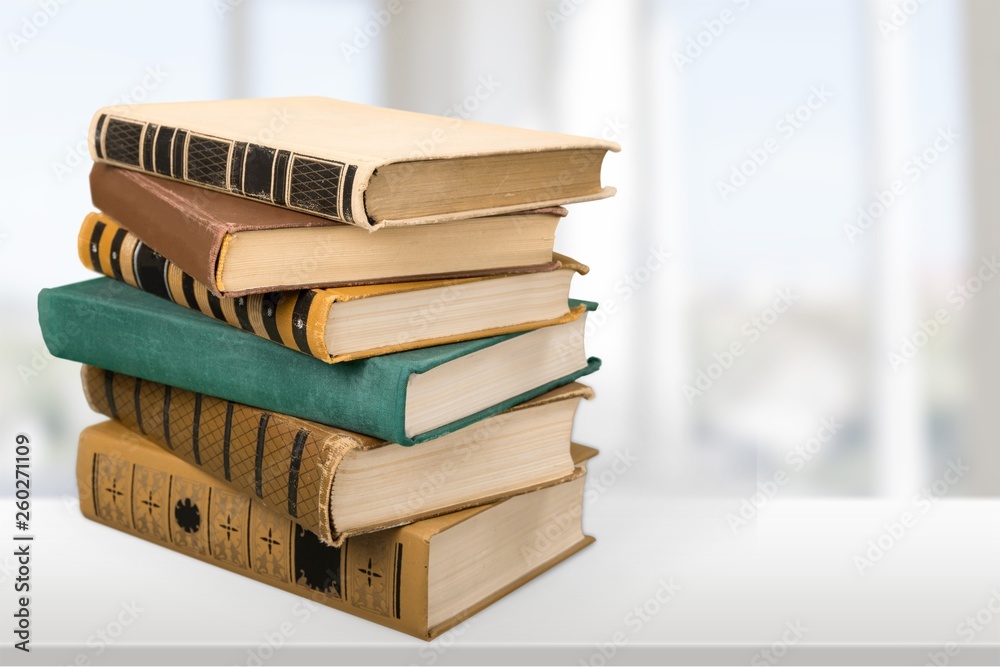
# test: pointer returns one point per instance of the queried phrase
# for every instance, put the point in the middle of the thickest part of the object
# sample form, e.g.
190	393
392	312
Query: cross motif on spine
369	572
270	541
113	490
149	503
230	529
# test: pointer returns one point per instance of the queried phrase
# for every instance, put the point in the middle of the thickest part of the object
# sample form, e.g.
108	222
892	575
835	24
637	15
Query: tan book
338	324
338	483
352	163
421	579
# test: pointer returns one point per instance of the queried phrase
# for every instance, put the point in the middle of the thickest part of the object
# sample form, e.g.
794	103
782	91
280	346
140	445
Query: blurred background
821	179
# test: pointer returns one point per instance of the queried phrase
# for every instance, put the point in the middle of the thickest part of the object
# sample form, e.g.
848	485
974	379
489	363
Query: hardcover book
351	163
346	323
333	481
407	397
421	579
236	246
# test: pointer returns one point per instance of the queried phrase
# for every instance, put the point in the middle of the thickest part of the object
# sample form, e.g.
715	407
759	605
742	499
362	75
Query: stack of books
337	353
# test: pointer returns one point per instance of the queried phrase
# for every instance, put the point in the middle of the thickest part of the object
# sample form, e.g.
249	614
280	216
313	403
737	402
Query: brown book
236	246
352	163
333	481
421	579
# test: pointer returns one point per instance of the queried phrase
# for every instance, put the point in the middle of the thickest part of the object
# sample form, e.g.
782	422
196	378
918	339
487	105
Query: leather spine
130	485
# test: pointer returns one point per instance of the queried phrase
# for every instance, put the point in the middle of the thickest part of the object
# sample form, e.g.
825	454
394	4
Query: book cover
106	247
289	464
129	484
193	228
108	324
323	160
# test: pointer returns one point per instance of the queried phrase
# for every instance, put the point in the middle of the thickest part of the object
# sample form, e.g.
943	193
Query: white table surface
794	564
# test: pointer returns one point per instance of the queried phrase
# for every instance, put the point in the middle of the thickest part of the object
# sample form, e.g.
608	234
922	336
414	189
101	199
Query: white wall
616	69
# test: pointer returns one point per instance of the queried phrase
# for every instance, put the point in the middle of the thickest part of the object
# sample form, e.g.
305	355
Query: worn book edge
295	461
104	246
224	162
405	611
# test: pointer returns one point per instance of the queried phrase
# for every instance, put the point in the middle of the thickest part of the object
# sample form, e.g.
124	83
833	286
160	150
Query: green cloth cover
111	325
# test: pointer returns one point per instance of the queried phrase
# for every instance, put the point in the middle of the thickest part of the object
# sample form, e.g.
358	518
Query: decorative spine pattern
221	526
286	462
284	178
295	319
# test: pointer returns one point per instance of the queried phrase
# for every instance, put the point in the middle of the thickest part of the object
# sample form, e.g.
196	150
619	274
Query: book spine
286	463
108	324
294	319
130	486
283	178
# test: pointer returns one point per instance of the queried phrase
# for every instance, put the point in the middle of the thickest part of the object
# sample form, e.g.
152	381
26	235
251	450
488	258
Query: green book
407	397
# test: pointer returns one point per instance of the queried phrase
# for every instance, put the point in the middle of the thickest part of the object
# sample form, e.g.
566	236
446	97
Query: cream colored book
352	163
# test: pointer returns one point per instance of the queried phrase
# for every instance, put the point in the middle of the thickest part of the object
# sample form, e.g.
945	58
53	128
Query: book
333	481
347	323
421	579
351	163
238	246
407	397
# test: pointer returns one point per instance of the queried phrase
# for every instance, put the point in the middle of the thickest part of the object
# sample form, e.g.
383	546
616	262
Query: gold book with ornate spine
345	323
421	579
338	483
